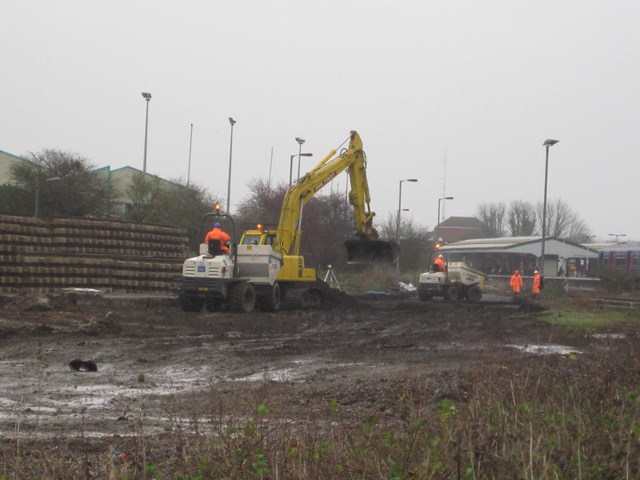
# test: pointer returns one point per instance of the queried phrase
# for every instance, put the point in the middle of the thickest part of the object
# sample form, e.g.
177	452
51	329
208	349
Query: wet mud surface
159	366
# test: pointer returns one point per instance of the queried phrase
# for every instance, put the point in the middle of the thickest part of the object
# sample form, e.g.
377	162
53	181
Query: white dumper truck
452	280
237	281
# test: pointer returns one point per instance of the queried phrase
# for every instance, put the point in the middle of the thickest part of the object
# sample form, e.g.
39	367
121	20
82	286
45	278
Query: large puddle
546	349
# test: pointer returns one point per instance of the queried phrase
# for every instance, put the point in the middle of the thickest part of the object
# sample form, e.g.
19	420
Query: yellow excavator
294	279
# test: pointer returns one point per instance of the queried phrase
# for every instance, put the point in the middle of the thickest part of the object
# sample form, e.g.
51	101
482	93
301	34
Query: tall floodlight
232	122
618	235
398	223
300	142
291	164
589	238
189	166
547	143
147	97
37	206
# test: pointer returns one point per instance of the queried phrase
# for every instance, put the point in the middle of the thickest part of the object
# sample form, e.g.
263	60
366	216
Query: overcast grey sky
483	83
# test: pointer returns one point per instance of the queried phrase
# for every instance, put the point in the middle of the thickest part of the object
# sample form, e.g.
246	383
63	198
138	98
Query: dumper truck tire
474	294
271	301
243	298
451	293
213	304
424	296
190	304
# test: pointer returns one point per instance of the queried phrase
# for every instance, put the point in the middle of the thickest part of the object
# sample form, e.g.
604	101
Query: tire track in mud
154	363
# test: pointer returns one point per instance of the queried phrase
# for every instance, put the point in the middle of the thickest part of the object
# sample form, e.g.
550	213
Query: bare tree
77	189
172	203
521	218
493	216
562	221
263	205
415	246
327	221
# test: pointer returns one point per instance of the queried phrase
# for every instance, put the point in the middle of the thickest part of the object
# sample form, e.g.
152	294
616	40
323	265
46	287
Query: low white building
120	179
7	161
501	256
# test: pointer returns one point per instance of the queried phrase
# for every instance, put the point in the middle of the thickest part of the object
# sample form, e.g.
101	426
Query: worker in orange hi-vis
537	284
218	234
438	263
516	282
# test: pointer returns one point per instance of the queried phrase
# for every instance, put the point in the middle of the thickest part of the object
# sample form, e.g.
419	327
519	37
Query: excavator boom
295	281
367	247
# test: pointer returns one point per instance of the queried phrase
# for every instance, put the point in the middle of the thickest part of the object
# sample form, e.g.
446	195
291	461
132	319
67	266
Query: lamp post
547	143
291	164
398	223
147	97
190	143
587	247
618	235
300	142
232	122
439	200
37	206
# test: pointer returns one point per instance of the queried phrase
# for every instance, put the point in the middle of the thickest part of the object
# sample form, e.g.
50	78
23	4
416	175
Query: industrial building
501	256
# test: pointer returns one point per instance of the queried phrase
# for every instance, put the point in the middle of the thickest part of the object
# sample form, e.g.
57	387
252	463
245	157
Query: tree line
69	185
523	219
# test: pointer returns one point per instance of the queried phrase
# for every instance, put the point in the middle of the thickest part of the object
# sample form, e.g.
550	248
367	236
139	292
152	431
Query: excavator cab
360	251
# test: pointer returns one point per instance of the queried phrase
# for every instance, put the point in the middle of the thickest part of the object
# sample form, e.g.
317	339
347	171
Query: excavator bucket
370	251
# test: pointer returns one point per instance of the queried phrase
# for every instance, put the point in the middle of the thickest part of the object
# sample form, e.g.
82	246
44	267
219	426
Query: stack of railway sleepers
46	255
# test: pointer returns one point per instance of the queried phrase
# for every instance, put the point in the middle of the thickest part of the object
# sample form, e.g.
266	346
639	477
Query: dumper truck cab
452	280
237	280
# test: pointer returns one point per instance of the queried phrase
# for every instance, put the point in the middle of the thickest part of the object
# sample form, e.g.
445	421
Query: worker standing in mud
516	283
536	287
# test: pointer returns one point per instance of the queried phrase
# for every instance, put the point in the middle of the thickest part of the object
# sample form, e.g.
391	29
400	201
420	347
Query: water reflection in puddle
545	349
608	336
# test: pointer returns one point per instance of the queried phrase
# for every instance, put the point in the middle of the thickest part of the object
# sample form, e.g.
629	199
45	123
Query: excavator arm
286	239
367	247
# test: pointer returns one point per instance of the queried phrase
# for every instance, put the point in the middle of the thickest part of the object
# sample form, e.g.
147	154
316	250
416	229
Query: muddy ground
156	363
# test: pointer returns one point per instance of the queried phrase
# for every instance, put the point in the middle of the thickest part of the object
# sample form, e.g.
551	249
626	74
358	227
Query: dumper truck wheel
243	298
474	294
271	301
190	304
451	293
424	296
213	304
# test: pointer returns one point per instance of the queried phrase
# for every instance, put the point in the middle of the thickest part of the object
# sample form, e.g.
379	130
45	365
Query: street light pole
35	214
190	143
147	97
232	122
37	206
291	164
398	223
618	235
547	143
300	142
587	247
438	224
